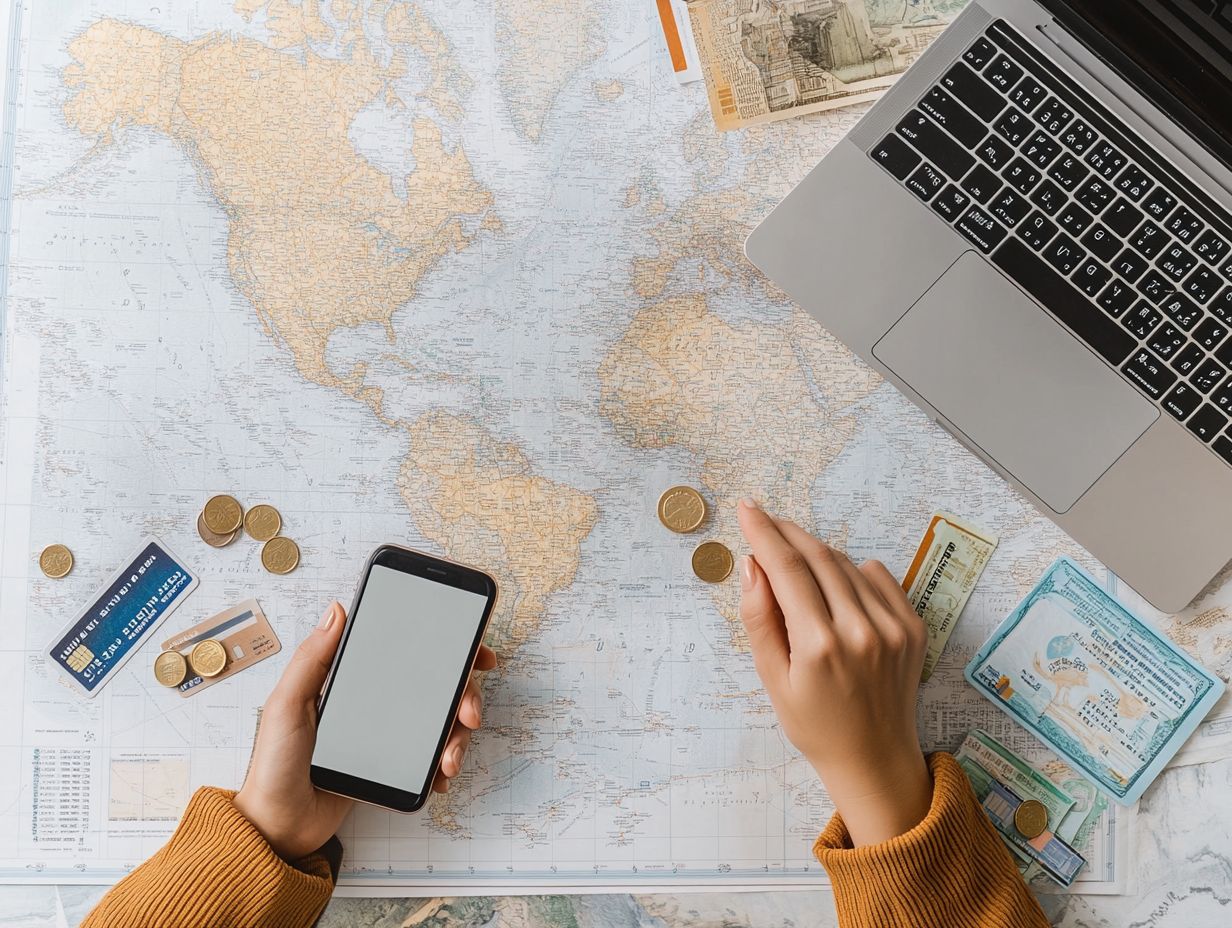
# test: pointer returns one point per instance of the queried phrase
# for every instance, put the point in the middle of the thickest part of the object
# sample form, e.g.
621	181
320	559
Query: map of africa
465	277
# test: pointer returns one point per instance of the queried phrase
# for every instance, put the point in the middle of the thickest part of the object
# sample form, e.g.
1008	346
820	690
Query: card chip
80	659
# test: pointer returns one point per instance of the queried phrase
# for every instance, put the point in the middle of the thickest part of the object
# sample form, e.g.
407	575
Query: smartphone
398	676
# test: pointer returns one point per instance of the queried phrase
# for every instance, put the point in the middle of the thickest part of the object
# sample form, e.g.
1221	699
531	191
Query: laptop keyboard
1070	204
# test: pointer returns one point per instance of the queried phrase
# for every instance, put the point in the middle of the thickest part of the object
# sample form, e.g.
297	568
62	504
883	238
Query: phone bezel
438	570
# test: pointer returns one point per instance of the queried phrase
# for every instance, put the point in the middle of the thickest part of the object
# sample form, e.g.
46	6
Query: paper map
467	278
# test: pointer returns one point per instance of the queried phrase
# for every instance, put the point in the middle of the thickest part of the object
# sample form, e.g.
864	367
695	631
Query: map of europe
466	277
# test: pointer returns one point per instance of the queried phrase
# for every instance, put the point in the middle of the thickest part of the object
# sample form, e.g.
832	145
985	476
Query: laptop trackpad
1017	384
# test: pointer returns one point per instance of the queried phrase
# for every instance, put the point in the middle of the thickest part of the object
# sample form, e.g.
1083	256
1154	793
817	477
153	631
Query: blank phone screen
393	688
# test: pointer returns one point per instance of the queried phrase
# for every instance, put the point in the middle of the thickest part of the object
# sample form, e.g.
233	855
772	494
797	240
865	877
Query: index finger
794	586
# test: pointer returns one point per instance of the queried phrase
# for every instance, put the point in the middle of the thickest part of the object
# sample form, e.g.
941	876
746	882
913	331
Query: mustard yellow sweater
950	871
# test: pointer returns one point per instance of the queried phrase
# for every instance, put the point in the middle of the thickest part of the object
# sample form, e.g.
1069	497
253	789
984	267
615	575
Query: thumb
305	675
763	621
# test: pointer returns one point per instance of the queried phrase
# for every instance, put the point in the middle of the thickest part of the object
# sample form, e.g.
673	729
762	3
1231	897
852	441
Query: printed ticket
130	605
942	575
1104	690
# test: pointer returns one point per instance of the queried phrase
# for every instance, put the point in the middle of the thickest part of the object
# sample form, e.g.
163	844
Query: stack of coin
683	510
223	520
206	659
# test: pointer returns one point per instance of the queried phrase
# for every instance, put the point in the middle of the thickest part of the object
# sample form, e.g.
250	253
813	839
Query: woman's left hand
278	797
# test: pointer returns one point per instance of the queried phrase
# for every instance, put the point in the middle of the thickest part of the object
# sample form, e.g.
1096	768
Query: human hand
278	797
840	651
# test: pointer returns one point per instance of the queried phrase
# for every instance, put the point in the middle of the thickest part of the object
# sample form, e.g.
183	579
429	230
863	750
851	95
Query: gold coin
208	658
280	555
223	514
712	561
262	522
1031	818
214	541
682	509
170	668
56	561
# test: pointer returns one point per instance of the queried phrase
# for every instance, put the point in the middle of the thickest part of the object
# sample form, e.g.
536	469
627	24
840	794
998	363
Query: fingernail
327	620
455	759
746	573
749	502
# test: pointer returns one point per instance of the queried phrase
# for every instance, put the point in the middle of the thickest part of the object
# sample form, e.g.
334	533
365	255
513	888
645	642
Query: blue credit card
127	608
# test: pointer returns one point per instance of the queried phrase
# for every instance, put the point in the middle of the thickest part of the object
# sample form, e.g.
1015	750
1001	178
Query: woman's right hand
840	651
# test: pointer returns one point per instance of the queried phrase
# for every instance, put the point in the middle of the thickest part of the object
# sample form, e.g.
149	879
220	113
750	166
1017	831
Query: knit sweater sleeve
218	871
950	871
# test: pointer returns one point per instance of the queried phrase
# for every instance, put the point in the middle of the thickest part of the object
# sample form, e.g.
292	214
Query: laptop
1030	235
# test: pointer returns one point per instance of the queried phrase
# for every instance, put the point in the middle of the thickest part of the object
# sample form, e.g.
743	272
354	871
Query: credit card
243	631
1108	693
127	608
942	575
1054	856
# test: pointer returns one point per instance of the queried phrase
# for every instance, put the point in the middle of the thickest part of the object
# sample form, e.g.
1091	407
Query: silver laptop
1030	235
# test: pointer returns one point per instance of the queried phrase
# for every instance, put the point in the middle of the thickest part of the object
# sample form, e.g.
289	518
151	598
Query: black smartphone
393	691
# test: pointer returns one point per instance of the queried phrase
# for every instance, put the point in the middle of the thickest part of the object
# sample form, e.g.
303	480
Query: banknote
942	575
1105	691
771	59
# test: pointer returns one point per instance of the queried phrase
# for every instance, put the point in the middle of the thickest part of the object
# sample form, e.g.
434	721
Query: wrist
249	807
880	798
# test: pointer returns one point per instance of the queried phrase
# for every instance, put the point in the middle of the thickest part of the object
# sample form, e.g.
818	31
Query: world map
467	277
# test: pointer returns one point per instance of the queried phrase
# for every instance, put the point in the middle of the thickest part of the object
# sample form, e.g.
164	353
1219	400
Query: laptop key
1079	137
1129	264
966	85
1183	224
1013	126
1223	354
930	141
1210	333
1123	217
1221	306
893	154
1116	298
925	182
950	203
1222	397
1134	183
1207	422
1149	240
1048	197
1142	319
1068	172
995	152
1040	150
1060	298
1210	247
1176	261
1028	93
1094	194
1074	219
1101	243
1063	254
1003	73
1159	203
1105	160
951	116
1187	360
1181	401
981	229
1021	176
1053	115
1181	310
1207	374
980	53
1202	284
1091	277
1009	207
1149	373
1166	340
1038	230
981	183
1154	286
1223	447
